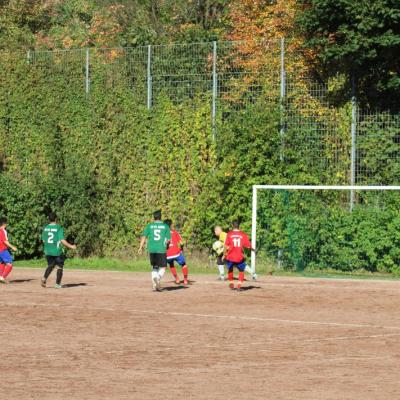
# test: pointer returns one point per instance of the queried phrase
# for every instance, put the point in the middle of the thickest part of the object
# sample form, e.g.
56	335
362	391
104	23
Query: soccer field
108	336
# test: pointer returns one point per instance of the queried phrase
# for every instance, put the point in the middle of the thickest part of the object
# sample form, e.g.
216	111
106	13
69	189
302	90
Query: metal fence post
87	76
149	78
353	141
214	90
282	97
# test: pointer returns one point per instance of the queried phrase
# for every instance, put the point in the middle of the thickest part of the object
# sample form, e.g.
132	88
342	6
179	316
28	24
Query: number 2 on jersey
50	238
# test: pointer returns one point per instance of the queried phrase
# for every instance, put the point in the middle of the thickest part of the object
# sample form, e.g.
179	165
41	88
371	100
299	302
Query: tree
359	39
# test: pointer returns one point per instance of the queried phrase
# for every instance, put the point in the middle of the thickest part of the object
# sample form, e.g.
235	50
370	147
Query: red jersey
236	241
3	238
174	248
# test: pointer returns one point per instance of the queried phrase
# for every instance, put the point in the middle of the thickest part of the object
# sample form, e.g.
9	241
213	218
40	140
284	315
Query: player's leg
60	271
7	260
154	271
173	270
51	263
2	266
221	268
230	266
162	266
182	262
250	272
241	267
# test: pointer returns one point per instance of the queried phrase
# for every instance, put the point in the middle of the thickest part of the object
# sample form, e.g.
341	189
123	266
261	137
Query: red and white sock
185	272
2	266
230	279
174	273
8	268
241	279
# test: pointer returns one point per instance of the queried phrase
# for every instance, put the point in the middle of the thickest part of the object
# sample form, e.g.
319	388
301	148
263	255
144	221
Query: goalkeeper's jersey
222	237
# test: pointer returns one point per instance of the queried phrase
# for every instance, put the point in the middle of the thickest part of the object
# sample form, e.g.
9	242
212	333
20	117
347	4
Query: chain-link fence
339	145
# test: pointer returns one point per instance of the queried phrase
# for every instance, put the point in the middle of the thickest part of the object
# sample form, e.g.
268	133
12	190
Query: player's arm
9	245
226	247
247	244
141	245
68	245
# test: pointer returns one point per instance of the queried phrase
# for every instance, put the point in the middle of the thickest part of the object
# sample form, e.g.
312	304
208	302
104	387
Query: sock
173	271
248	270
59	276
230	275
154	274
185	271
221	269
2	266
161	273
8	268
48	272
241	278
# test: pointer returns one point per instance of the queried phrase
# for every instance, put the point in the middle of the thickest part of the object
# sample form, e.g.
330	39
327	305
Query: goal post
328	202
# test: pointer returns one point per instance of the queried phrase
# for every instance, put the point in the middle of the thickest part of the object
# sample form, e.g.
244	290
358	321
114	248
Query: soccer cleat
222	278
43	282
154	284
232	286
3	280
158	284
57	286
254	277
177	281
185	282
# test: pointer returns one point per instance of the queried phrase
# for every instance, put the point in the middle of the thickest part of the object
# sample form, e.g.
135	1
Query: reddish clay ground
107	336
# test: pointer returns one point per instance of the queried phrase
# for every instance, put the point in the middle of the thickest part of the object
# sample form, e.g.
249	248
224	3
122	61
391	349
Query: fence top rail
323	187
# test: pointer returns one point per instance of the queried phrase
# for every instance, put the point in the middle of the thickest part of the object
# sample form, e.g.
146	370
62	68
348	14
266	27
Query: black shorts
52	261
220	261
158	260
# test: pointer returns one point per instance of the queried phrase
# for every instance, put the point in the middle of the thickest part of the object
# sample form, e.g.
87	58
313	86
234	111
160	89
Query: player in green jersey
158	235
53	239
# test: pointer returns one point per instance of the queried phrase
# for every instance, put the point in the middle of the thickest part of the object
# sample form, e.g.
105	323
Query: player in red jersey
236	241
174	253
6	259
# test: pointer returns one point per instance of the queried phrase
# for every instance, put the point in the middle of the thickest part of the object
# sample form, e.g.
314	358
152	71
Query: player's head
157	215
52	217
3	221
236	224
168	222
218	230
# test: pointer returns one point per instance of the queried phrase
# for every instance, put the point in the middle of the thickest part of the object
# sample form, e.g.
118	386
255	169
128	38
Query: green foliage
360	37
317	231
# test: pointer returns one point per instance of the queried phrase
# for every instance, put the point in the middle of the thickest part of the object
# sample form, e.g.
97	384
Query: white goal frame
352	189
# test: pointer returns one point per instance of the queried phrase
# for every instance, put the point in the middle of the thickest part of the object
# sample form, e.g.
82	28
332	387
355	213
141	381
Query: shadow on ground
72	285
172	288
251	287
21	280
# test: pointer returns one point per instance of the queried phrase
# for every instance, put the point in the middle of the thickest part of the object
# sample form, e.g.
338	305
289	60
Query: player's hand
14	248
74	246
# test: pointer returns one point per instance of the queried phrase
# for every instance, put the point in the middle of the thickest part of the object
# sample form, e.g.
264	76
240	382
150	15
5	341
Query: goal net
336	228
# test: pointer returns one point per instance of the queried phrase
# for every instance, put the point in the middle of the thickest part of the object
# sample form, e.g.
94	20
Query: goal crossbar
299	187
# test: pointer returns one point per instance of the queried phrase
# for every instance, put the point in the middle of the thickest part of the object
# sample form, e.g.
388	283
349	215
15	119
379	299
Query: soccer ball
218	247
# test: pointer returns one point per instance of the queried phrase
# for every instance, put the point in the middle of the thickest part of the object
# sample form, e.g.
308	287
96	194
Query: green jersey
52	235
157	234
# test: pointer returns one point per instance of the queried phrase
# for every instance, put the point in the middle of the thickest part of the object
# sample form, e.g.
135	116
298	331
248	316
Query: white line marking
200	315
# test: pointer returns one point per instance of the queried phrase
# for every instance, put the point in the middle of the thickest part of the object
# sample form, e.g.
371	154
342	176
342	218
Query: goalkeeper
219	248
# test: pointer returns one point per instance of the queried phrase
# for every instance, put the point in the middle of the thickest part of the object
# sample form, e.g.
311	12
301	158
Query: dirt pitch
107	336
